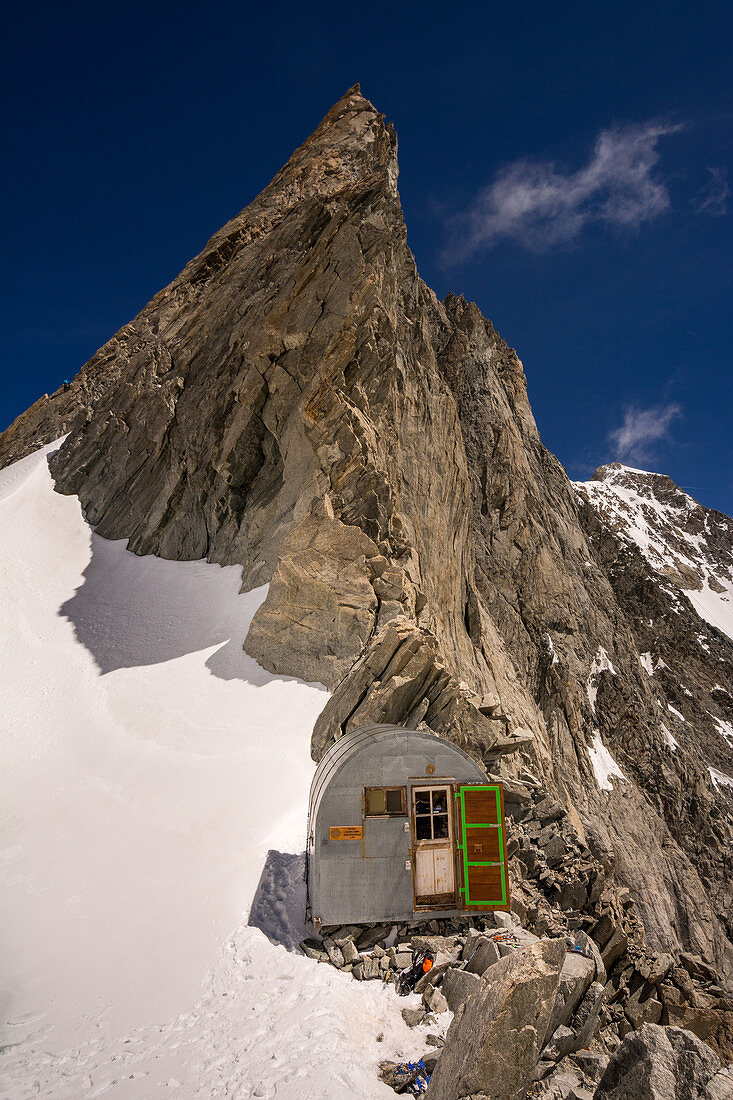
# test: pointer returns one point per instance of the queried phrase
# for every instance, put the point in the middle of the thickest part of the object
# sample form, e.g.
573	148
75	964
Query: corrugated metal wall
366	881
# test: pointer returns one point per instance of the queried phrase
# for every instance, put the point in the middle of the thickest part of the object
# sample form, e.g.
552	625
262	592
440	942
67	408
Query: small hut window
431	814
385	801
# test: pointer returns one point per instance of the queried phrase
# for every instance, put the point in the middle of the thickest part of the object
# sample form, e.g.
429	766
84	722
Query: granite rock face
493	1045
660	1063
298	402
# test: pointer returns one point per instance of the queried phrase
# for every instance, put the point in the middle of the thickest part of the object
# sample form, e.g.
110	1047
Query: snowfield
149	766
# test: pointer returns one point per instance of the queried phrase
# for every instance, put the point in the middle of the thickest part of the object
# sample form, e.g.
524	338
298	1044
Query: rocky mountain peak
353	145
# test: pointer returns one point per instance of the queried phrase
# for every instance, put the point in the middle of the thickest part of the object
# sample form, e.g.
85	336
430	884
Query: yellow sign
345	832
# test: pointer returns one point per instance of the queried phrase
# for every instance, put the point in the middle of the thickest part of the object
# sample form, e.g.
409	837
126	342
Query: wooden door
482	847
435	869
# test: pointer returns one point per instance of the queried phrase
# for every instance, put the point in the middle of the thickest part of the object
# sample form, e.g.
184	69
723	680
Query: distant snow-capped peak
688	545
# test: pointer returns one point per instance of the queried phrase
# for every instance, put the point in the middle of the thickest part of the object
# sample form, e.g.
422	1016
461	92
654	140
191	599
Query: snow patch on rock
601	663
719	779
725	728
604	766
669	738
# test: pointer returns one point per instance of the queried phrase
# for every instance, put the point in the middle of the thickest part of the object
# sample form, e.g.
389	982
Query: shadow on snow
278	908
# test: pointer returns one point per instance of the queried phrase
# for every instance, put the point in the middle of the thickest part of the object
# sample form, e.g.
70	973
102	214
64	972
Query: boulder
413	1016
656	968
659	1063
576	975
549	810
703	1018
346	934
697	967
472	937
585	1020
721	1086
555	850
640	1011
334	953
483	955
371	967
314	949
591	1063
370	937
349	951
448	945
574	895
458	986
603	929
614	949
590	947
563	1084
493	1045
434	1000
513	791
561	1043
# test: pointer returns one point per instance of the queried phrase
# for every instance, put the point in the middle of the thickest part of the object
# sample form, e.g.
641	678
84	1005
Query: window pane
440	826
376	801
394	802
422	803
439	802
422	828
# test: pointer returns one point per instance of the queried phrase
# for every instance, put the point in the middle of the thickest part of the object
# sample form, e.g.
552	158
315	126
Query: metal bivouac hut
403	825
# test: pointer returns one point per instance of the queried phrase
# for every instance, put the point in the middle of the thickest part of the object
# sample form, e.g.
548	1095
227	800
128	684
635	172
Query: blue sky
565	165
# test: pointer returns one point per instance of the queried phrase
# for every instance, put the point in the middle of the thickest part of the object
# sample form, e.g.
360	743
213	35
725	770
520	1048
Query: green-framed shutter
482	847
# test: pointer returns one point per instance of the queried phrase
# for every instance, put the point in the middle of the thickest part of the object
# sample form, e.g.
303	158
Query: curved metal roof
351	743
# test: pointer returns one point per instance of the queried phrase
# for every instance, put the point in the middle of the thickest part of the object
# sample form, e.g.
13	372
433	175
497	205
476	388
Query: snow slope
149	765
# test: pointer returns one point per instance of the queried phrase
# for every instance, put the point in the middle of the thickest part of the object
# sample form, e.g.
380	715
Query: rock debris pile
559	998
528	1014
561	886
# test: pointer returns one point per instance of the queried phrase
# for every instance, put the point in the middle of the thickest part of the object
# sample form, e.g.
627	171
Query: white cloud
712	198
541	206
642	428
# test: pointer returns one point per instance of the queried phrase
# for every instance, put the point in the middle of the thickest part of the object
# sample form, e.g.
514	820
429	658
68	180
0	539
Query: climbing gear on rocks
412	974
411	1077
